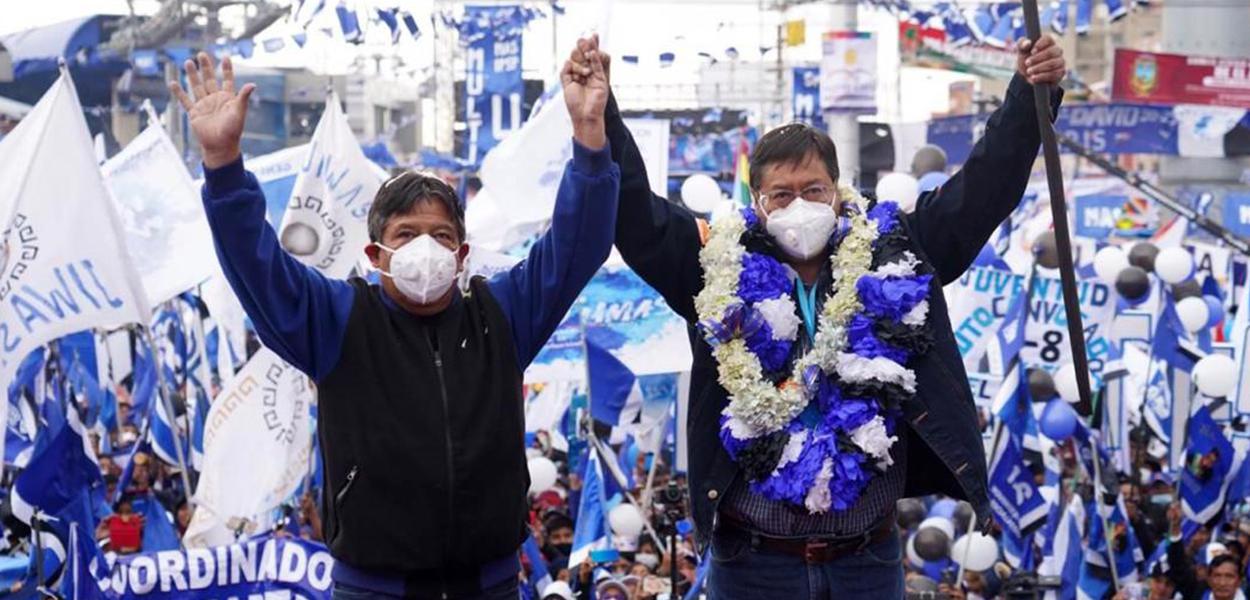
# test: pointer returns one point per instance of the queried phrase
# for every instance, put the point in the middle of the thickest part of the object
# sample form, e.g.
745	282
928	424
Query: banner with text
1179	79
805	97
493	85
848	72
265	567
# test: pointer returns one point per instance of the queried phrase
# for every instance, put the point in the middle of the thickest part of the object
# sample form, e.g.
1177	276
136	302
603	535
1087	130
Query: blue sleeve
298	313
538	291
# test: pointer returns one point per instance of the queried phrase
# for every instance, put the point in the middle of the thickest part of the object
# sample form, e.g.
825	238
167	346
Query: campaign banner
265	567
848	72
161	212
1116	128
805	97
263	411
1180	79
632	321
979	301
1098	214
493	85
276	173
324	223
1237	213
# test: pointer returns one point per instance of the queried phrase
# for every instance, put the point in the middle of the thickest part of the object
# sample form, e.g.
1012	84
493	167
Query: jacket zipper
338	500
451	469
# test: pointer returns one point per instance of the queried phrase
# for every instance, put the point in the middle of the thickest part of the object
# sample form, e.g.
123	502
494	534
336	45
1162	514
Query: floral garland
815	436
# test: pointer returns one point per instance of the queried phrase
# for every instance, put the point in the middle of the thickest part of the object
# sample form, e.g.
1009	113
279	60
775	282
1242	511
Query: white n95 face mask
802	228
423	269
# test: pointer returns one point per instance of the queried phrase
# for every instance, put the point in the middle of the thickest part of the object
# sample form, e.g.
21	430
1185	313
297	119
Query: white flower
917	315
873	440
738	428
780	314
857	369
819	498
905	267
794	447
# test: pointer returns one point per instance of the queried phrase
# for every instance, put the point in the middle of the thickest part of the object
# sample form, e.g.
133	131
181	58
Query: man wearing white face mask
419	384
826	381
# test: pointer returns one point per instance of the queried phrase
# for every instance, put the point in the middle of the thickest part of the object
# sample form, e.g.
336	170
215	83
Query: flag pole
1067	270
163	394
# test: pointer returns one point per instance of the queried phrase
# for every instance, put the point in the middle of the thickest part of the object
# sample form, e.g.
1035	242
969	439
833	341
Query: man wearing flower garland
826	382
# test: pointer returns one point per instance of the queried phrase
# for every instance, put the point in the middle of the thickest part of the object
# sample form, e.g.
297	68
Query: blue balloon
1217	310
943	508
1058	420
932	181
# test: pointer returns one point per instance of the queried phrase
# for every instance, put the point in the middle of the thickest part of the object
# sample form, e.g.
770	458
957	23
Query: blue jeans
740	571
507	590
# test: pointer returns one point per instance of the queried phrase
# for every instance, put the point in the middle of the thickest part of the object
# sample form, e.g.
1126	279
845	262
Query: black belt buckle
812	551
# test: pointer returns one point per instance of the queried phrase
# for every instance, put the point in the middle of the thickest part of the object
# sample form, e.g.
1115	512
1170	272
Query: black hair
792	144
1222	559
400	193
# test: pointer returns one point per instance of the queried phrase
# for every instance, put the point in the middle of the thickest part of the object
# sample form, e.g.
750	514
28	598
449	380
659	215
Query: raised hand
217	112
1042	62
585	85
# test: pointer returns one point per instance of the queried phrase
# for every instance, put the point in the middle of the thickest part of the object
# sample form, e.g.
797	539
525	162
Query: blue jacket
661	242
301	315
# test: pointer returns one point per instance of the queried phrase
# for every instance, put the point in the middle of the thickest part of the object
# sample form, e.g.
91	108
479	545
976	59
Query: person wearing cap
612	589
558	590
419	377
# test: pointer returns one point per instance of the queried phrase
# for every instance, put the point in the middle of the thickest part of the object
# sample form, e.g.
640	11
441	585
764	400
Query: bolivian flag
742	175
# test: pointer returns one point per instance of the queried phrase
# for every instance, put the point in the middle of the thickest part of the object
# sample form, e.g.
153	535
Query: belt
816	549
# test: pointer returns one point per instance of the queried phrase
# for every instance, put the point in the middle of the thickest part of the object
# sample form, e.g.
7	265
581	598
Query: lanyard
807	306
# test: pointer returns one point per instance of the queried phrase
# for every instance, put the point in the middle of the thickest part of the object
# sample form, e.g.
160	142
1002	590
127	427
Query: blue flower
886	216
762	277
771	353
892	297
792	482
848	481
748	215
848	414
865	343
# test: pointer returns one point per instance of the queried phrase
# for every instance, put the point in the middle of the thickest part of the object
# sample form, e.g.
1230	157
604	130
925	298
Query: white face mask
423	269
802	228
647	559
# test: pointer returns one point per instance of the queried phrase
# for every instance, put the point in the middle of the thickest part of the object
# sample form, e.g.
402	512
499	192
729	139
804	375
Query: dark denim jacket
660	240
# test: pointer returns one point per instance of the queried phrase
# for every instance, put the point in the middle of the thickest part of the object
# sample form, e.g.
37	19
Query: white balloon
899	187
912	557
1194	313
942	523
975	552
1065	383
1215	375
1174	265
625	520
1108	263
700	192
542	474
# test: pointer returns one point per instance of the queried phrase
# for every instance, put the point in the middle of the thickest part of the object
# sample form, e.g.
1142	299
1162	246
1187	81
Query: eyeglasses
813	193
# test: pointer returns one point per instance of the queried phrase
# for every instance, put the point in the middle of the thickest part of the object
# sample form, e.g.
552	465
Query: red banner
1180	79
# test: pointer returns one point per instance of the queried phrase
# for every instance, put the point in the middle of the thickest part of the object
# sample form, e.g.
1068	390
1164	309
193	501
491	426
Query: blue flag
84	565
349	24
591	529
539	575
1208	463
158	528
1062	558
1016	502
612	386
59	473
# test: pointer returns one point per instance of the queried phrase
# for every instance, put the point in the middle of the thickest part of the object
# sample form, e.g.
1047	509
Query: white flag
63	261
160	208
324	223
523	172
257	442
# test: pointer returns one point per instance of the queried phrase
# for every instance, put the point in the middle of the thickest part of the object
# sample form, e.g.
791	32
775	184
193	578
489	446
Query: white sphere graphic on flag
300	239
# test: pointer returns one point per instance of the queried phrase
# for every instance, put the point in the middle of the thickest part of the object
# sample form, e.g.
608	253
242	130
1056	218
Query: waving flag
591	529
59	275
349	24
84	565
540	577
615	397
1016	502
1121	546
58	474
324	224
159	532
1209	459
1063	556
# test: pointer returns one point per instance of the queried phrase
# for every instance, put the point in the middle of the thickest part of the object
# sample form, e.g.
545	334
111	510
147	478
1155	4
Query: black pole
672	566
1059	213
